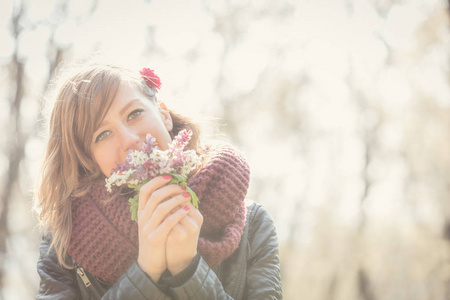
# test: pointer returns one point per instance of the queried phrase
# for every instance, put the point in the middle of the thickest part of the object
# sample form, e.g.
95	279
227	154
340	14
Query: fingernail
183	187
167	176
186	208
186	195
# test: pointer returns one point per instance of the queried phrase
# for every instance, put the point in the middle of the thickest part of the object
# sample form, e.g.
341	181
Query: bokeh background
342	108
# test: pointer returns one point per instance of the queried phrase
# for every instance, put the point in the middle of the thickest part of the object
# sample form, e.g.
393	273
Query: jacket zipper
87	282
83	276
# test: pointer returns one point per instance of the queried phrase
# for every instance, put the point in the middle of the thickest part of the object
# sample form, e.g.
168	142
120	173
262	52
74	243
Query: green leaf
134	205
194	198
178	179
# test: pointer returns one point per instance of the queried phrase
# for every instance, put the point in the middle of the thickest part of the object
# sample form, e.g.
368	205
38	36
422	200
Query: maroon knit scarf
104	239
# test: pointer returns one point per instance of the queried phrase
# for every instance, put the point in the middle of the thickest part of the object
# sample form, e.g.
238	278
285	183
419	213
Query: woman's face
128	121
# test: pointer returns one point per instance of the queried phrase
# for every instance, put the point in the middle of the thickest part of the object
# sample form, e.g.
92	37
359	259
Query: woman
91	249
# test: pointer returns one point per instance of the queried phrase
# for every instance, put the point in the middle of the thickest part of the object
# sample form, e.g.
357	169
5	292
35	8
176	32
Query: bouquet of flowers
141	166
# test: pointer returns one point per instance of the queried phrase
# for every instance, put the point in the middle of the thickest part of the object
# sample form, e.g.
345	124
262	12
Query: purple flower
150	161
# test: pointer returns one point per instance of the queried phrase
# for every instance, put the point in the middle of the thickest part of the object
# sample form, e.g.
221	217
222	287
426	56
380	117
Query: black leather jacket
251	272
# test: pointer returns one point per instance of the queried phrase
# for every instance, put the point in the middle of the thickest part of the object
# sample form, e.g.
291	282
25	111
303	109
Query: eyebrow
121	111
125	108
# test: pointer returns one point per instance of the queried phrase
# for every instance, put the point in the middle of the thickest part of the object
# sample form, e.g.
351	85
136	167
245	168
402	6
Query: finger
168	224
192	222
152	217
157	197
160	195
190	225
178	229
195	214
186	205
151	186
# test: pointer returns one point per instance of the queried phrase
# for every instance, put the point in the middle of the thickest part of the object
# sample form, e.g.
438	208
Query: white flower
133	181
118	179
159	155
166	170
108	185
138	158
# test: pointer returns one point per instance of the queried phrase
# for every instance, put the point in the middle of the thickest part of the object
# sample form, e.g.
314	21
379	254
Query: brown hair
68	169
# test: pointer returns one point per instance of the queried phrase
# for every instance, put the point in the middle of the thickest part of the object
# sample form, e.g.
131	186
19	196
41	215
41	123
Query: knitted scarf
104	239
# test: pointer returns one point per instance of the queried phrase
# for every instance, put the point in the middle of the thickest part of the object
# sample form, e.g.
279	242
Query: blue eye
103	135
135	113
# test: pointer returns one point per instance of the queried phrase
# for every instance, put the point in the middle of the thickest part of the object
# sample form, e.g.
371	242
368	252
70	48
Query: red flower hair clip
151	78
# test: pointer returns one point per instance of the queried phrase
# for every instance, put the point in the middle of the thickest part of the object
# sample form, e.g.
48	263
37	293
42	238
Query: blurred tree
20	85
16	138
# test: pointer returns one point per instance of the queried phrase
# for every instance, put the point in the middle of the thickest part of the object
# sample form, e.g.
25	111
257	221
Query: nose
129	139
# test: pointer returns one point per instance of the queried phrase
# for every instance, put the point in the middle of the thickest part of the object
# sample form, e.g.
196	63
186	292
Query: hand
160	210
181	245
